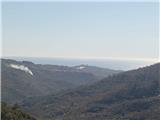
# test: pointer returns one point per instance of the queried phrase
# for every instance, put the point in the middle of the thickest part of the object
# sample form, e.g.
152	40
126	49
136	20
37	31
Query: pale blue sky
81	29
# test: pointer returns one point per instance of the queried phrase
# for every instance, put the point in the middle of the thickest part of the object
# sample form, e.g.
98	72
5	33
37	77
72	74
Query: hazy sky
81	29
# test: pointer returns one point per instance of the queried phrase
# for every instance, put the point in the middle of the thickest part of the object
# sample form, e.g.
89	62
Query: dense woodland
130	95
13	113
46	79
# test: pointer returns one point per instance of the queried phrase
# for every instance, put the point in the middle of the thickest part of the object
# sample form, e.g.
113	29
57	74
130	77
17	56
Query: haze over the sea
119	35
118	64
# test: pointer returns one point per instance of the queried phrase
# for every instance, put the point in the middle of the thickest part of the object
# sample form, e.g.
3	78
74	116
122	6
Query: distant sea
105	63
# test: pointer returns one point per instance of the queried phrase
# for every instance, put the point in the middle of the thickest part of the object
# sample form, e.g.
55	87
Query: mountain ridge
131	95
21	79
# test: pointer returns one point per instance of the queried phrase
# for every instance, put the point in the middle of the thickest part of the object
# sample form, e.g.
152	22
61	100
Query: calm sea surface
107	63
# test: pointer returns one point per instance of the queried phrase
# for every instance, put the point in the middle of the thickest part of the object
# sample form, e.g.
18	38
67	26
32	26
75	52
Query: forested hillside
13	113
23	79
132	95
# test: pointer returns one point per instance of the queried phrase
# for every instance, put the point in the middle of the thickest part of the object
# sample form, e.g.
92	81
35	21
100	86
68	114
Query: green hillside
13	113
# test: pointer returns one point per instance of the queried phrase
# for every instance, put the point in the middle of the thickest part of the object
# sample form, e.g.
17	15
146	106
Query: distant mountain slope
97	71
131	95
13	113
26	79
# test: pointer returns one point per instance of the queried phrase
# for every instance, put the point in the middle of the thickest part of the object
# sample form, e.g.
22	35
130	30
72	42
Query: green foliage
13	113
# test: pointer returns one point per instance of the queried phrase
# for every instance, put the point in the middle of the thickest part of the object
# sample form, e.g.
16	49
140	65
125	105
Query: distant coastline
105	63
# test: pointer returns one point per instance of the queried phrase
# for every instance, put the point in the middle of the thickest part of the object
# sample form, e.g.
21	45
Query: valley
51	92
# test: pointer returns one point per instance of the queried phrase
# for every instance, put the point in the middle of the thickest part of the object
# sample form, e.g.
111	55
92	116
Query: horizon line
138	1
85	58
